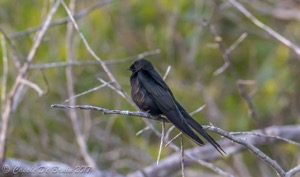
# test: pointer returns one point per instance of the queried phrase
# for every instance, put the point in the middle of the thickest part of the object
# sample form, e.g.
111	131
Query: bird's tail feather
195	125
183	126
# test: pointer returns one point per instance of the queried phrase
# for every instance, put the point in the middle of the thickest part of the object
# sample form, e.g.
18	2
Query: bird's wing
160	94
158	79
196	126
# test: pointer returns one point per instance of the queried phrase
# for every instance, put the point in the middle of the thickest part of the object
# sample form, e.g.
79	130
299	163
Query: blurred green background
182	30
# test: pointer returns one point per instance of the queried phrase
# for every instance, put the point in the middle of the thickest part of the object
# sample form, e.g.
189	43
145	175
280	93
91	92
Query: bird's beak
129	69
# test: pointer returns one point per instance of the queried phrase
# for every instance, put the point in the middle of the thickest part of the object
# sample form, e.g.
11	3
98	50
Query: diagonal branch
91	51
269	30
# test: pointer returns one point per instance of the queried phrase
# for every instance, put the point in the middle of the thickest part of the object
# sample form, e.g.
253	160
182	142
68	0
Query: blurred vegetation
182	31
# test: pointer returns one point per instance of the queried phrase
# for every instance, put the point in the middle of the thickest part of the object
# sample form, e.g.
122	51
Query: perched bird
151	94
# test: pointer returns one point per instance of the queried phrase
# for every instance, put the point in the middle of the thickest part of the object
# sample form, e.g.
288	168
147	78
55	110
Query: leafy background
182	30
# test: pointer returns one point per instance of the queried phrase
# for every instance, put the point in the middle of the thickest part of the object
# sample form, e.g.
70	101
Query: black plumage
151	94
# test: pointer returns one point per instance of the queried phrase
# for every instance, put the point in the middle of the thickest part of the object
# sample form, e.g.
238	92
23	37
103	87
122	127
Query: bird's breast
141	97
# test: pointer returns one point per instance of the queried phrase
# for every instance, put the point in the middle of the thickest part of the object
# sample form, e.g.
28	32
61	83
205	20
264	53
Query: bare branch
264	134
88	91
112	87
80	63
236	43
161	141
139	114
293	171
17	84
16	55
167	72
279	170
266	28
182	155
228	51
142	130
240	140
241	89
33	86
109	111
198	110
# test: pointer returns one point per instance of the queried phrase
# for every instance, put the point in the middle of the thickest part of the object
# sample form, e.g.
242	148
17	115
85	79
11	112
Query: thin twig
228	51
16	55
182	155
167	72
198	110
265	136
93	63
161	141
110	111
112	87
33	86
88	91
174	138
241	89
142	130
236	43
266	28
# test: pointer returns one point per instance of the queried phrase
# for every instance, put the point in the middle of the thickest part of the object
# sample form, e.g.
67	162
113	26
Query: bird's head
140	64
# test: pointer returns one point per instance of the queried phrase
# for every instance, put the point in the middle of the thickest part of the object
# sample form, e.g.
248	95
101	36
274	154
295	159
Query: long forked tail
195	125
179	122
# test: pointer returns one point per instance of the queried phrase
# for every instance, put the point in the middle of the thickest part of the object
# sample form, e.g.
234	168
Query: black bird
151	94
